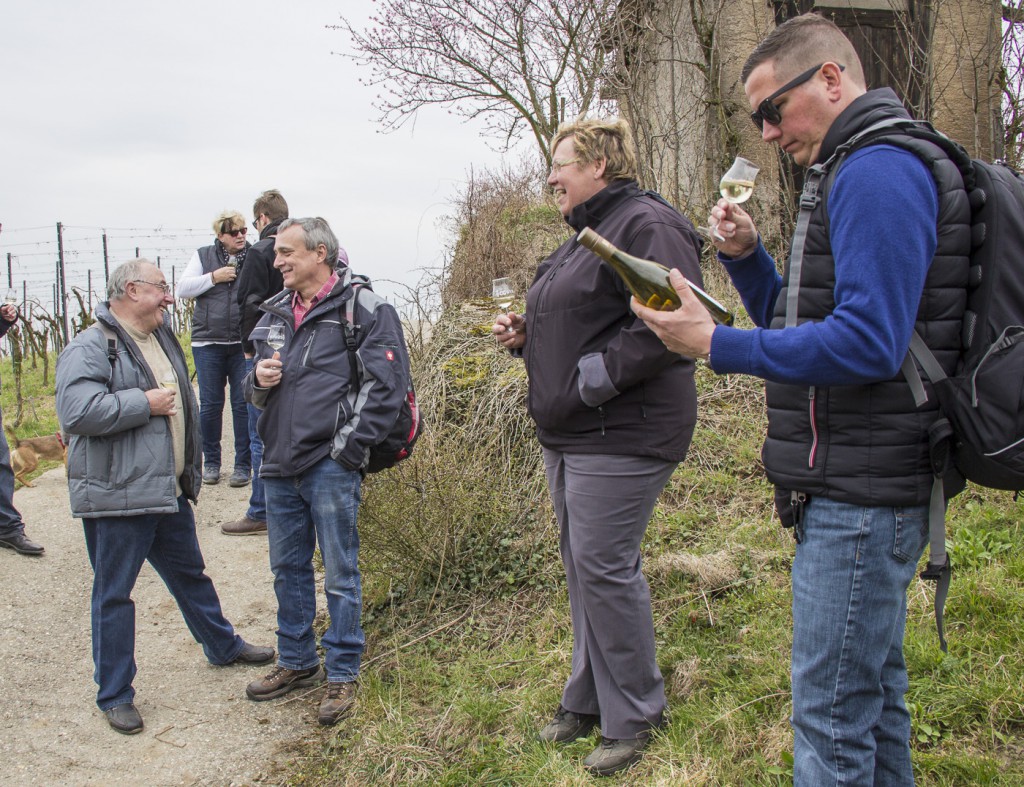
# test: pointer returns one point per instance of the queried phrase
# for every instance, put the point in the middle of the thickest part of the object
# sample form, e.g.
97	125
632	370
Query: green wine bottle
647	280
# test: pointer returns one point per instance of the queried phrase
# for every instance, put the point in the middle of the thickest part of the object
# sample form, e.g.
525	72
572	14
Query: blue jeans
218	365
117	548
257	500
319	505
850	580
10	519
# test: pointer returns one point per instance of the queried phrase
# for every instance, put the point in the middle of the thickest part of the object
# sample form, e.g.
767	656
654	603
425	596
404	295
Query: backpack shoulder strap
107	331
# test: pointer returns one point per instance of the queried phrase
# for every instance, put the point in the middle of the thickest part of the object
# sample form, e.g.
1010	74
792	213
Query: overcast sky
145	119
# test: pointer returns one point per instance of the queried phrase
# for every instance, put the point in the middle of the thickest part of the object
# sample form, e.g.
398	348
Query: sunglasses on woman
236	233
768	113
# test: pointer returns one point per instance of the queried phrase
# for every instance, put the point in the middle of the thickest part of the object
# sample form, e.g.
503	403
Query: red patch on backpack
390	355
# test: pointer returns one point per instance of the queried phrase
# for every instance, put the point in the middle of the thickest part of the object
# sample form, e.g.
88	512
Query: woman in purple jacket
615	413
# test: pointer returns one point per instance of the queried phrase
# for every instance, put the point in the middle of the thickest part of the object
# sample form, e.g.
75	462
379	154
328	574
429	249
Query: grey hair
317	232
125	272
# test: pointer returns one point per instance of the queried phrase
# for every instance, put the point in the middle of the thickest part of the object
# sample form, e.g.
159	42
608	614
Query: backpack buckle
933	572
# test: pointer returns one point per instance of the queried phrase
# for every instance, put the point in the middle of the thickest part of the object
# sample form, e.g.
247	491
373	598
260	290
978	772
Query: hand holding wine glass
275	336
10	305
268	370
737	184
502	294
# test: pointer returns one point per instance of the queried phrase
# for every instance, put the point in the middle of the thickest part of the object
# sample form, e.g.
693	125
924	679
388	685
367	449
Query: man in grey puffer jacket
133	467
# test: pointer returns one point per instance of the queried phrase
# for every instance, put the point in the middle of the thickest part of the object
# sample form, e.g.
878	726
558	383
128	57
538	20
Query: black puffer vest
868	444
216	317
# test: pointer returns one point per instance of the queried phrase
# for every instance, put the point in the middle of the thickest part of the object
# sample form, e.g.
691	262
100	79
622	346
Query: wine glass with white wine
275	336
737	183
502	294
11	299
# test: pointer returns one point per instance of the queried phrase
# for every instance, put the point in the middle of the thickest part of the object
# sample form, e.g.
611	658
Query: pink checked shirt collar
299	311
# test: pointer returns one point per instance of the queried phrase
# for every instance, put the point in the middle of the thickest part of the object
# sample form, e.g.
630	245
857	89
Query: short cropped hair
228	220
610	139
272	205
800	43
316	232
128	271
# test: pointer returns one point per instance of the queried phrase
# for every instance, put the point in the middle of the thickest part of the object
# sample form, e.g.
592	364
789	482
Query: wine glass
12	297
502	294
737	183
275	336
169	381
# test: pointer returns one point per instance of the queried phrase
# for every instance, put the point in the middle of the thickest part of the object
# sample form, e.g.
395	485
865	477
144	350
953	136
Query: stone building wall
687	104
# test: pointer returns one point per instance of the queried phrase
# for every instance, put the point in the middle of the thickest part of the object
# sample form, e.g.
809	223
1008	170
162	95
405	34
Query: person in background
12	529
210	278
133	466
258	280
320	416
847	445
615	412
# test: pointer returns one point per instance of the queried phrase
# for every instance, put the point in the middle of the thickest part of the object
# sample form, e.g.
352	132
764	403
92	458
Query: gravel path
200	728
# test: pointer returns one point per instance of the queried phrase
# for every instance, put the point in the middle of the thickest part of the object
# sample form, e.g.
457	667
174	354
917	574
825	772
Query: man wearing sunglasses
847	446
210	278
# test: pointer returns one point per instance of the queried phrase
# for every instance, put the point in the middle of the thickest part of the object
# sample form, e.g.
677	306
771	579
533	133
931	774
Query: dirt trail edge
200	728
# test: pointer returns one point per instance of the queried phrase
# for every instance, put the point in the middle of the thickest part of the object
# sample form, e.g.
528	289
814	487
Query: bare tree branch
517	65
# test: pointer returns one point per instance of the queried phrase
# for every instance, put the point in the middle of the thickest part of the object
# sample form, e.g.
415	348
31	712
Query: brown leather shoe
282	680
337	703
244	527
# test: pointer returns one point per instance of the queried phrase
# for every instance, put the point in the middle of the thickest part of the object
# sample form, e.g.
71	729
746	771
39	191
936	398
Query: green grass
458	676
456	683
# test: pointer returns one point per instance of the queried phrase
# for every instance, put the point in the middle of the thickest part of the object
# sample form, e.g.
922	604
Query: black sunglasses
767	112
236	233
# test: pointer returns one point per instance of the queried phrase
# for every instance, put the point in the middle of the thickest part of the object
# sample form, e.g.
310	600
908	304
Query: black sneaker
282	680
567	726
211	475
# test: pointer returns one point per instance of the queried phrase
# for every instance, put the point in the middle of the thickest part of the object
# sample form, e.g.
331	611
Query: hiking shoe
125	719
567	726
613	756
211	475
240	477
282	680
337	702
244	527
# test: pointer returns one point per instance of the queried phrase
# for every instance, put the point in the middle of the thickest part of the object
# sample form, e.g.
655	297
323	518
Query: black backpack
981	430
400	440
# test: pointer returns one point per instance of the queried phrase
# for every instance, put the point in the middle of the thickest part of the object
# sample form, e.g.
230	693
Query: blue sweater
883	210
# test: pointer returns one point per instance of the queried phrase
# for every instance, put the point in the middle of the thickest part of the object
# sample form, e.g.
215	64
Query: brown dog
26	453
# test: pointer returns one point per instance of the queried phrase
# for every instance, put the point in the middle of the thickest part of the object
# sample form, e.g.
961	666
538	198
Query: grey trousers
603	503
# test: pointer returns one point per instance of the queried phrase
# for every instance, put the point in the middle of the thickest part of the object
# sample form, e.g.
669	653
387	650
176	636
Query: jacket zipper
811	395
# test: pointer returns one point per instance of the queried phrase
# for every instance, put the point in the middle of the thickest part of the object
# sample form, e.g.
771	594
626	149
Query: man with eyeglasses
847	445
133	467
210	278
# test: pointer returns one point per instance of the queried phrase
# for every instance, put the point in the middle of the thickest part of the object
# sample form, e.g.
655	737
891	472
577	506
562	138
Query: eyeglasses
556	165
236	233
767	112
162	285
